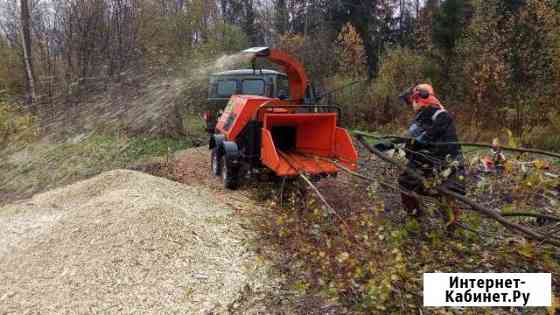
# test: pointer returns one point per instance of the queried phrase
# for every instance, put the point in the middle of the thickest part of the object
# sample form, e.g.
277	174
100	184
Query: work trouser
409	184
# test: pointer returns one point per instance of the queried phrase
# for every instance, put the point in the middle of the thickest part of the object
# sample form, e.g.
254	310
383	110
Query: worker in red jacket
431	125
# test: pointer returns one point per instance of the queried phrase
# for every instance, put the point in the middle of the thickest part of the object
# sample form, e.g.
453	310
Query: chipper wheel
230	175
216	162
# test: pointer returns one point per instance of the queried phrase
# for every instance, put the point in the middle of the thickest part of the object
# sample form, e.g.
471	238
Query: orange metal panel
295	71
316	136
243	108
315	132
269	156
294	163
344	149
238	112
309	164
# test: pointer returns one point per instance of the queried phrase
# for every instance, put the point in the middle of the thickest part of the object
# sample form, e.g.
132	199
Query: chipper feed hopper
289	136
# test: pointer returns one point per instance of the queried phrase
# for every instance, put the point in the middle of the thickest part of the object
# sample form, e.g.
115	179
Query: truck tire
230	174
215	162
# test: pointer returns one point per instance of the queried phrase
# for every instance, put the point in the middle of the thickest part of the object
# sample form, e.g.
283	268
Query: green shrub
545	136
15	125
11	79
400	68
41	166
351	97
153	146
375	105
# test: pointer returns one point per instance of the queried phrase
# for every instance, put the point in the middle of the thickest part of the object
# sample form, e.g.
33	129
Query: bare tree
26	43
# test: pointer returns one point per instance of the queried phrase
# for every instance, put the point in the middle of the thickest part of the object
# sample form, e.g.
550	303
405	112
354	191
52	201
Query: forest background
495	64
88	86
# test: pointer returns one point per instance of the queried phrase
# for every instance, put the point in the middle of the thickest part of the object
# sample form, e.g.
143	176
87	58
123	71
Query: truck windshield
253	87
283	87
227	88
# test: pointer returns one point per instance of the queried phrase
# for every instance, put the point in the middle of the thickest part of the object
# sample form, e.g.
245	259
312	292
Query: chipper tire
216	162
230	174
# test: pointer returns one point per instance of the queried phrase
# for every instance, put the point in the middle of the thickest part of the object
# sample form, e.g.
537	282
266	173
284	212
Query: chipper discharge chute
288	135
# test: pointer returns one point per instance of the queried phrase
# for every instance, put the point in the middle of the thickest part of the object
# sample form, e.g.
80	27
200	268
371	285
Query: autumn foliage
490	61
368	257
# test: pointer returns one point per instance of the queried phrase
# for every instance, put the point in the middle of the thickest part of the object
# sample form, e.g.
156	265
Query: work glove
421	139
384	146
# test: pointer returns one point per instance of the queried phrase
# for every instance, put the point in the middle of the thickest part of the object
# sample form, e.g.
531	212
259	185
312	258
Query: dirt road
129	242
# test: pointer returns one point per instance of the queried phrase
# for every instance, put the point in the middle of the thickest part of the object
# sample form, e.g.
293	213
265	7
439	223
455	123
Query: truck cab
268	83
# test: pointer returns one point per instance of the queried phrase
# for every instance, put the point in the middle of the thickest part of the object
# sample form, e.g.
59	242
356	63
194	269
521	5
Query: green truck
259	82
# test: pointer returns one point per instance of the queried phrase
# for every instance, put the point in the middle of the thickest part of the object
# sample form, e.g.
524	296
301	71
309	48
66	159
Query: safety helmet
423	94
424	90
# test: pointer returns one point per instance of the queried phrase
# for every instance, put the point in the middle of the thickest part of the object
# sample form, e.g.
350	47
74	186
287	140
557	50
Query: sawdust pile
124	242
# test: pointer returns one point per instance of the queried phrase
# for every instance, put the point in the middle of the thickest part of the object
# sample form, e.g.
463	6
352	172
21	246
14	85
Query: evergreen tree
449	23
363	15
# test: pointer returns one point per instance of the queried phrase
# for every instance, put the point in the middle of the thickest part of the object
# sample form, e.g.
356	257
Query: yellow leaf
508	208
527	250
280	220
508	167
541	164
342	257
511	139
451	216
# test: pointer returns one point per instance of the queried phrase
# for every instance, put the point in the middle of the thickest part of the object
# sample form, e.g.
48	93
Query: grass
147	147
31	165
38	167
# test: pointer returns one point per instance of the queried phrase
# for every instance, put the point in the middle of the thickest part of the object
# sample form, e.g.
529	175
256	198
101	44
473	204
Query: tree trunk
281	17
180	4
364	19
26	44
248	24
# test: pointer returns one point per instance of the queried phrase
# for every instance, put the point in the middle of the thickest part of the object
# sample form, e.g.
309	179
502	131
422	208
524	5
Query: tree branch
470	144
318	193
479	208
530	214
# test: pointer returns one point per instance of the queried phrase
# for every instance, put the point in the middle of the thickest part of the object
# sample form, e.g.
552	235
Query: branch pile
490	213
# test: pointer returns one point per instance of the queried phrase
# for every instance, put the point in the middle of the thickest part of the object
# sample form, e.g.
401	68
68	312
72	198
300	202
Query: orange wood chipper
288	135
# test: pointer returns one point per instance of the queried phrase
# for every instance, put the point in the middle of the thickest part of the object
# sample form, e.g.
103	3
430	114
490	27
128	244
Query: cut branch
318	193
479	208
530	214
471	144
403	191
325	202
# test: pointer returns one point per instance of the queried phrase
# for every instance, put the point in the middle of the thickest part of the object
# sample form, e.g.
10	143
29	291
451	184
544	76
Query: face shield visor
406	96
